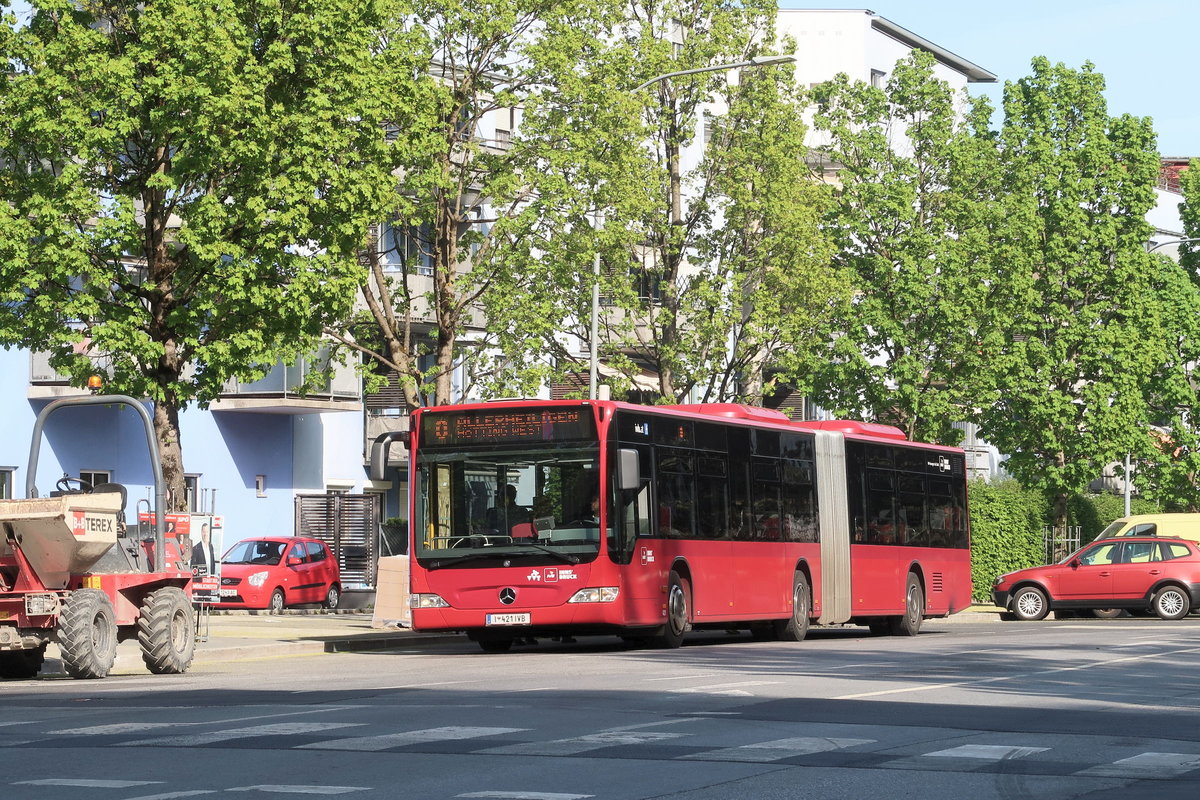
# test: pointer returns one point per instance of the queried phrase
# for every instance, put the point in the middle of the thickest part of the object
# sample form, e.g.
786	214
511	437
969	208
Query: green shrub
1093	512
1006	531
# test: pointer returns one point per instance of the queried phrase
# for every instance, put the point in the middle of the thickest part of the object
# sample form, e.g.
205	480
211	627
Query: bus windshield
480	508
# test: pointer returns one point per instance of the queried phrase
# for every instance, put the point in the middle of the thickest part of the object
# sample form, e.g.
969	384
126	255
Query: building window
877	78
6	482
260	485
407	248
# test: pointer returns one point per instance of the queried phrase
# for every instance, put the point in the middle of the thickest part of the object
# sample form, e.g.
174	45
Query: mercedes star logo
508	596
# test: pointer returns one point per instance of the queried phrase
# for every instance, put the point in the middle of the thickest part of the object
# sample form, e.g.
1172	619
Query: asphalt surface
246	635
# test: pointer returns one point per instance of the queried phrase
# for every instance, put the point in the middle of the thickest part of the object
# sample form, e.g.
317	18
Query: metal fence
1060	542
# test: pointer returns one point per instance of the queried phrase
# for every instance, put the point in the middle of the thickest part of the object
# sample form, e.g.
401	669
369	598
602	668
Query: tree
1170	472
180	185
712	276
1083	348
915	221
467	194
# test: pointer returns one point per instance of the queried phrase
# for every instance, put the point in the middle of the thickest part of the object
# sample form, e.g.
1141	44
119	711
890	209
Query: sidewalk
242	636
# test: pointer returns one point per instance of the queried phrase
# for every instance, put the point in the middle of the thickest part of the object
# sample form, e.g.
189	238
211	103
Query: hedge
1006	531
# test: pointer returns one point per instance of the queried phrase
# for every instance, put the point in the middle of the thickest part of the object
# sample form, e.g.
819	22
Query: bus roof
729	411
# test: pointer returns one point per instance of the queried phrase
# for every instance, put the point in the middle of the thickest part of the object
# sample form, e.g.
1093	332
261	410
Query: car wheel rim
1029	604
1170	603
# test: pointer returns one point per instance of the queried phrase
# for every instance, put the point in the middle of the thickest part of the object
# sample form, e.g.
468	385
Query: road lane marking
389	740
1021	676
213	737
988	752
777	749
526	795
725	689
583	744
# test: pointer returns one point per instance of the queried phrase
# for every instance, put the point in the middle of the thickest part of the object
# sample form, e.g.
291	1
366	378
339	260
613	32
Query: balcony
274	393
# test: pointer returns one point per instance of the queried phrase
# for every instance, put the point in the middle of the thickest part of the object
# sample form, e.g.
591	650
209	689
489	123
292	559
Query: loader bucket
60	536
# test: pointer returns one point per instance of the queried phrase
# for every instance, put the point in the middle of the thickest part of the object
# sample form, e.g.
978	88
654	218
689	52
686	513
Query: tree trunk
166	430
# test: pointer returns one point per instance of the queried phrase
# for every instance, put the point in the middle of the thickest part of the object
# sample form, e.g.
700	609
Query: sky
1140	46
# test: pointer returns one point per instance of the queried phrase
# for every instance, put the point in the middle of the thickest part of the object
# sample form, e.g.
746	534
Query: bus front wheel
678	611
909	624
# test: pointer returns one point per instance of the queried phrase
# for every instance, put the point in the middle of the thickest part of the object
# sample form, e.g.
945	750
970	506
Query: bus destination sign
506	427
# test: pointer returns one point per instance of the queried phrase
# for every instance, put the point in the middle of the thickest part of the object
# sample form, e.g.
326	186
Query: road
1097	709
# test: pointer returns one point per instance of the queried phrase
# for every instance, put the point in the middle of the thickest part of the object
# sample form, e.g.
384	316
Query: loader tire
167	631
87	634
21	665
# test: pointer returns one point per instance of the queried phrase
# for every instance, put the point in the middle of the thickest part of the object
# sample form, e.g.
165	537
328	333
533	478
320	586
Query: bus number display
506	427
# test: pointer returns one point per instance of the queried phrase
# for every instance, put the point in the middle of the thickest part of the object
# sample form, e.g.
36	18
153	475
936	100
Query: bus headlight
427	601
599	594
257	579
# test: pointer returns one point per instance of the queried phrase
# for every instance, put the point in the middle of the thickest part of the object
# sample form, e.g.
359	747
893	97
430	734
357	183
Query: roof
974	72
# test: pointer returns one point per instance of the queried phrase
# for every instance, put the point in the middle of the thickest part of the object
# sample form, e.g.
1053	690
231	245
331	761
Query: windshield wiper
455	561
567	558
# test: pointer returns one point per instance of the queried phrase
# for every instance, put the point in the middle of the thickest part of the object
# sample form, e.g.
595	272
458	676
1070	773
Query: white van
1181	526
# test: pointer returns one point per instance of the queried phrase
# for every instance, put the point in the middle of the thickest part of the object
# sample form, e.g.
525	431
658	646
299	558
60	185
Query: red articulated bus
555	518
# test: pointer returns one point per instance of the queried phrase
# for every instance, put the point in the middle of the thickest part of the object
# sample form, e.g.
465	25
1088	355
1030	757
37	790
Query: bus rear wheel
678	611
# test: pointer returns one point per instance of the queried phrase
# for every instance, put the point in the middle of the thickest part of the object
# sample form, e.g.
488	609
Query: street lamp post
755	61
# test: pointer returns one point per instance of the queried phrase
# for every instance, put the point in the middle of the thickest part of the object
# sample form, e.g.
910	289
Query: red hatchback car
272	572
1135	572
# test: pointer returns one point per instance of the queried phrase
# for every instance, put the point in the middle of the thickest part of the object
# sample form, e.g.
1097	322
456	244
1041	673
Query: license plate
228	592
507	619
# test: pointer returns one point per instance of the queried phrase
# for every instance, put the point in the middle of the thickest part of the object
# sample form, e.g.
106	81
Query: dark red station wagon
1133	572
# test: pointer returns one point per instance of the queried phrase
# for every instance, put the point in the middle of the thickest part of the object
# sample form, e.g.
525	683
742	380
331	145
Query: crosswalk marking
175	795
388	740
1157	765
85	783
212	737
281	788
777	749
120	727
989	752
582	744
526	795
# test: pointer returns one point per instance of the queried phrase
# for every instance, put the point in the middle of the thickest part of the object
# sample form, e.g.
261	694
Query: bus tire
796	628
679	604
495	645
909	623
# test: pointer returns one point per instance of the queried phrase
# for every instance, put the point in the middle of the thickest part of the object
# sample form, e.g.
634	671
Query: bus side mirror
628	473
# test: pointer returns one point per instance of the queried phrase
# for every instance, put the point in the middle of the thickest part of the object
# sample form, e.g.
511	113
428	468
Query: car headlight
599	594
999	580
258	578
427	601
